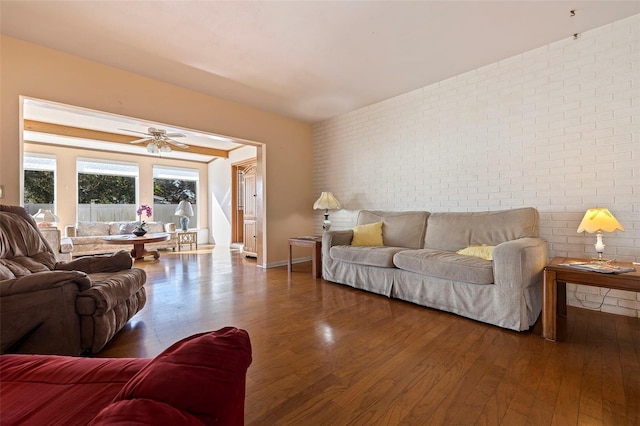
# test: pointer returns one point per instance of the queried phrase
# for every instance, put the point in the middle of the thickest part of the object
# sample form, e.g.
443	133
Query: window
106	191
39	182
170	186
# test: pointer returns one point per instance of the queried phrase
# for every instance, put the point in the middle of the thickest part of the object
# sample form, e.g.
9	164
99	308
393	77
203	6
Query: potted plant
139	229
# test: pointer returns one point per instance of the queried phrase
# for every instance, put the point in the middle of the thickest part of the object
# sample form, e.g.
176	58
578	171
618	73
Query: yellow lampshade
599	219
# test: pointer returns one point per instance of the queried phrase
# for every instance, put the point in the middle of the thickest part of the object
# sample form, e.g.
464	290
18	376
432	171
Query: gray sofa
87	237
418	263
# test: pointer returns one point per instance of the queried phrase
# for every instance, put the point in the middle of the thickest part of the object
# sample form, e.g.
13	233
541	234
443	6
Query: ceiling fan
159	140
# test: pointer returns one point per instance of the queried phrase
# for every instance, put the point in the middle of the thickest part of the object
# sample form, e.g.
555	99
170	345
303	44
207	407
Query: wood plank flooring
327	354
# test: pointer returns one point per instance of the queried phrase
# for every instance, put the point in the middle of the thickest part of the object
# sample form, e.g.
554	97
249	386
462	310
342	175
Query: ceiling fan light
165	148
152	148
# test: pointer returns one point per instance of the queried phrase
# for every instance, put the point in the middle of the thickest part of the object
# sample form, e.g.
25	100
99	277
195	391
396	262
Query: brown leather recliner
65	308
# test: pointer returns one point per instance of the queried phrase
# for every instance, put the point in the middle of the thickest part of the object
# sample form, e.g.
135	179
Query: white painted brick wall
556	128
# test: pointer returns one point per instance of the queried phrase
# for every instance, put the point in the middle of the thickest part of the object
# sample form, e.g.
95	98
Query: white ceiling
309	60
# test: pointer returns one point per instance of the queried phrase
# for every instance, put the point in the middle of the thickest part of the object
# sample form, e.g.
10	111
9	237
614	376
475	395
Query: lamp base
326	224
184	223
599	245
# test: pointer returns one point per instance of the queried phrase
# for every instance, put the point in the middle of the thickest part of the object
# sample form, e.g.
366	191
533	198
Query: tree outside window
170	186
106	191
39	183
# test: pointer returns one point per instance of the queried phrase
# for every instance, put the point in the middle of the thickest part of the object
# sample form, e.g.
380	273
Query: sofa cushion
38	389
154	227
96	239
31	264
455	231
211	368
118	228
483	252
13	269
445	265
372	256
368	235
66	245
5	272
19	240
141	411
108	290
400	229
91	229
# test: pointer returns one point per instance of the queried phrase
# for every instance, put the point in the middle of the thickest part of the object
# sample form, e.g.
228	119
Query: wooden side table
187	237
556	277
316	254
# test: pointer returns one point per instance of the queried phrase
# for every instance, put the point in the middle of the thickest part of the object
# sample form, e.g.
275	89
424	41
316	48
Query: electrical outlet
1	191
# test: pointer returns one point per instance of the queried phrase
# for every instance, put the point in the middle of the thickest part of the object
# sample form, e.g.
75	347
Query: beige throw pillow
369	235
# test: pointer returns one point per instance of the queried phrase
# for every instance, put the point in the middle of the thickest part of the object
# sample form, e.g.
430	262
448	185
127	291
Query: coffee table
138	252
556	277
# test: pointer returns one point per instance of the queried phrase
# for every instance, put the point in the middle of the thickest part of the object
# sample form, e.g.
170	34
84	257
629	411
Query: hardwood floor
326	354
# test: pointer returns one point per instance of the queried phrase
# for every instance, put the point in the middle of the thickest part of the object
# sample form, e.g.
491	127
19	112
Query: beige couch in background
87	237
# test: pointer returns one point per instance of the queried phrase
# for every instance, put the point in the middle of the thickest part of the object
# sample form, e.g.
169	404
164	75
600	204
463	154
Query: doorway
244	211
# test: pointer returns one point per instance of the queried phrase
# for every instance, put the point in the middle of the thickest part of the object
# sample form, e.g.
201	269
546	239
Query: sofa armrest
66	245
43	281
519	263
169	227
335	238
70	231
38	315
113	262
215	361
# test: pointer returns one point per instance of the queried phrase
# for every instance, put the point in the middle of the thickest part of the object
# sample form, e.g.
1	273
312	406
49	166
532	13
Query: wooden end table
187	237
316	254
138	252
556	277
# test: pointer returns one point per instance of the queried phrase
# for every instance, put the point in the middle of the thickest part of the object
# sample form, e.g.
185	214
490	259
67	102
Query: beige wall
66	188
38	72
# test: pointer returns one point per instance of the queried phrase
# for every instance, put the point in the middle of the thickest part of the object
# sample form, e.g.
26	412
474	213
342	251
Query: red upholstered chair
199	380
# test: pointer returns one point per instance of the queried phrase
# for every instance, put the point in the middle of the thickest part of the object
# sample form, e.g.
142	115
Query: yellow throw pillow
368	235
483	252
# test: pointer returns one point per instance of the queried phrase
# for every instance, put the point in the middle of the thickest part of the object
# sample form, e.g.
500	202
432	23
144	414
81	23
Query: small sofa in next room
417	259
87	237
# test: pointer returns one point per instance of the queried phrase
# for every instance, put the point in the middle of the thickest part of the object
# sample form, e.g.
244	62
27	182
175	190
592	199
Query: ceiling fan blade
175	135
135	131
141	140
176	143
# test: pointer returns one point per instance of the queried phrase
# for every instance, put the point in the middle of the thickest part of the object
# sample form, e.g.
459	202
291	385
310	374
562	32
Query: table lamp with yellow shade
598	220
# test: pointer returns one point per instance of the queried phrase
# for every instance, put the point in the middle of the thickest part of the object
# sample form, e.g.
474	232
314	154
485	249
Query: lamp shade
599	219
184	209
45	218
326	201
